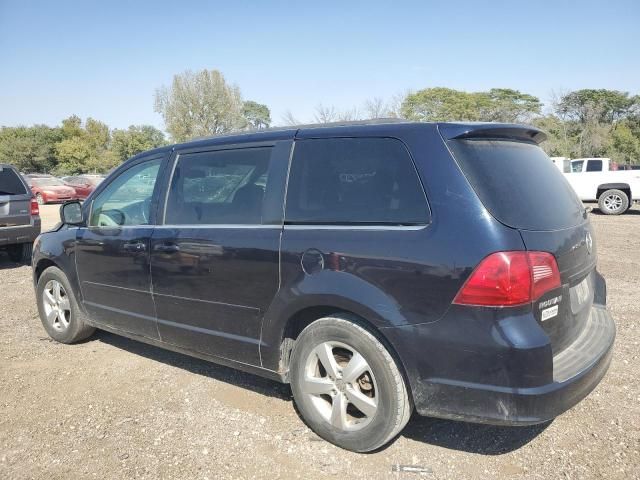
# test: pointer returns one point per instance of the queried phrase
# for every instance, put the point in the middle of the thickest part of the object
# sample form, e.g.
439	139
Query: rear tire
40	199
360	401
21	253
613	202
59	311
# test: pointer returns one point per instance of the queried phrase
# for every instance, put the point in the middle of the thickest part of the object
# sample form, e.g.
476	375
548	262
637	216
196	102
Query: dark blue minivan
377	267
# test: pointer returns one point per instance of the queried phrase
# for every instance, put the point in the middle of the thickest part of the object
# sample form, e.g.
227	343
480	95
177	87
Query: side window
576	167
127	199
354	181
219	187
10	183
594	166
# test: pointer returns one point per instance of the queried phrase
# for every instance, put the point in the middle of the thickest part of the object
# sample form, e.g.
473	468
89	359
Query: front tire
613	202
40	199
347	386
59	311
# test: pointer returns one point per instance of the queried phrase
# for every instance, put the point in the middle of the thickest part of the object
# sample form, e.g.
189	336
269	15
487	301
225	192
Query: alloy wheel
613	202
341	386
57	307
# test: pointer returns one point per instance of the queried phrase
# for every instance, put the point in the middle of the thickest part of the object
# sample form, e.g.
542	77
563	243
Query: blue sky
105	59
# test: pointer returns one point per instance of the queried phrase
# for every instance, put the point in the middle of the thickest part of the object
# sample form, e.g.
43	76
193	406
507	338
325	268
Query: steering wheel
105	220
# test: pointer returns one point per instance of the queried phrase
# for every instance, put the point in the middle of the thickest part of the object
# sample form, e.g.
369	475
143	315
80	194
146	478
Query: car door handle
166	248
134	247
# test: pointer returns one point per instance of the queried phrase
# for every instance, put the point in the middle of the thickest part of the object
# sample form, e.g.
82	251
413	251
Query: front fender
58	248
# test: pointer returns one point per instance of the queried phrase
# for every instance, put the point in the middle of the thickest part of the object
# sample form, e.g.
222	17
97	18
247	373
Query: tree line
581	123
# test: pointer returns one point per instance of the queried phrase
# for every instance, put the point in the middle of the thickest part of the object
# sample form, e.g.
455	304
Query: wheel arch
41	266
624	187
304	317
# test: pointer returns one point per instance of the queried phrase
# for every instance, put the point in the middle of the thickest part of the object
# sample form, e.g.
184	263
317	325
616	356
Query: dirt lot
115	408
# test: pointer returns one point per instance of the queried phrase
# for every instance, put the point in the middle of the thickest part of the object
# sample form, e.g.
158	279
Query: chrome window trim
218	225
357	227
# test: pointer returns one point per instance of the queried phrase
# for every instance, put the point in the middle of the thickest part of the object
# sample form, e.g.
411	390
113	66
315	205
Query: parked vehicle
19	215
49	189
377	267
563	163
598	179
83	184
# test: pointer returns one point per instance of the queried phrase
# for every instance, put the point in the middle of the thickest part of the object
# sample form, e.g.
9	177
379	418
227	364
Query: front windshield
47	182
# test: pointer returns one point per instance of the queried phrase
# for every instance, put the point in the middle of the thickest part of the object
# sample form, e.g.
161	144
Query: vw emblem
589	241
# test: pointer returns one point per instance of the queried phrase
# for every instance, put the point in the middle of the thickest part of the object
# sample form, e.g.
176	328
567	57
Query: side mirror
71	213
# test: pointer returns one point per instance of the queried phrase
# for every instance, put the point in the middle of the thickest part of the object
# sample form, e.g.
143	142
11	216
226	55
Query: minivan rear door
15	199
521	188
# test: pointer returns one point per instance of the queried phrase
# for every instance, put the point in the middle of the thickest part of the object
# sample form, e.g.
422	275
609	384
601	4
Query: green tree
199	104
84	148
30	149
256	114
135	139
441	104
445	104
511	106
607	106
559	142
624	146
599	122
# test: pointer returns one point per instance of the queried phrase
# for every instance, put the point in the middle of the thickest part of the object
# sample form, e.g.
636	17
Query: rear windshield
10	183
518	183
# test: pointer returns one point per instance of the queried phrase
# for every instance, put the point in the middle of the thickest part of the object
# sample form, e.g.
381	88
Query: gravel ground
115	408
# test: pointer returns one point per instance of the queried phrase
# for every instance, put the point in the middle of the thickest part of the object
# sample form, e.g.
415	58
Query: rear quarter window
10	183
518	183
354	181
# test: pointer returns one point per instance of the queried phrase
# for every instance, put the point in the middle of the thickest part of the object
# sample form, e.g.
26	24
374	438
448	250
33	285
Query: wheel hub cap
341	386
56	304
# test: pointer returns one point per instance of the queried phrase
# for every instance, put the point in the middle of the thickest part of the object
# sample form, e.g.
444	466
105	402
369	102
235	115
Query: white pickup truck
601	180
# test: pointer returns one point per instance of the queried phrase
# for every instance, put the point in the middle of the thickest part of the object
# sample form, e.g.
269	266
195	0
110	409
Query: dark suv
19	215
377	267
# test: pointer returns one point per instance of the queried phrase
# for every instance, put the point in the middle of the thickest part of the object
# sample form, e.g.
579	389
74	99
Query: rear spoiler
450	131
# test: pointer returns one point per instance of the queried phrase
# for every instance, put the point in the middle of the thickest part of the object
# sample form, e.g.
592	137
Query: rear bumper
577	370
20	234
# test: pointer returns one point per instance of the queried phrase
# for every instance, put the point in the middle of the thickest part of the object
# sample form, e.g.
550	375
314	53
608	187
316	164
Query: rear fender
331	290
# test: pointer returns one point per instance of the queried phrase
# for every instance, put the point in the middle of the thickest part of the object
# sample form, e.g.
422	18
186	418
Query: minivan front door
112	252
215	261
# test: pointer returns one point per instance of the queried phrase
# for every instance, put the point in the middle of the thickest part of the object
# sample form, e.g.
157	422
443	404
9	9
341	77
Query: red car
83	184
50	189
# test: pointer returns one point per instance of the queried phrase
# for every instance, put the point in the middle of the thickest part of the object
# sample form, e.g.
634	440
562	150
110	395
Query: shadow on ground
6	263
631	211
470	437
194	365
467	437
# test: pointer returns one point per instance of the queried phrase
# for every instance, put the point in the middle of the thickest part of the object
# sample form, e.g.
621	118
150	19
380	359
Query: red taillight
35	208
544	273
505	279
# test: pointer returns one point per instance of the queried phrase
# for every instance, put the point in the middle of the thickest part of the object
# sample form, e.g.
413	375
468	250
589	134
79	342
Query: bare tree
376	108
289	119
325	114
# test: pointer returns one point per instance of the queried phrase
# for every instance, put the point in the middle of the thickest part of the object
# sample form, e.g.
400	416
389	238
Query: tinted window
220	187
354	180
576	167
10	183
594	166
127	199
518	184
